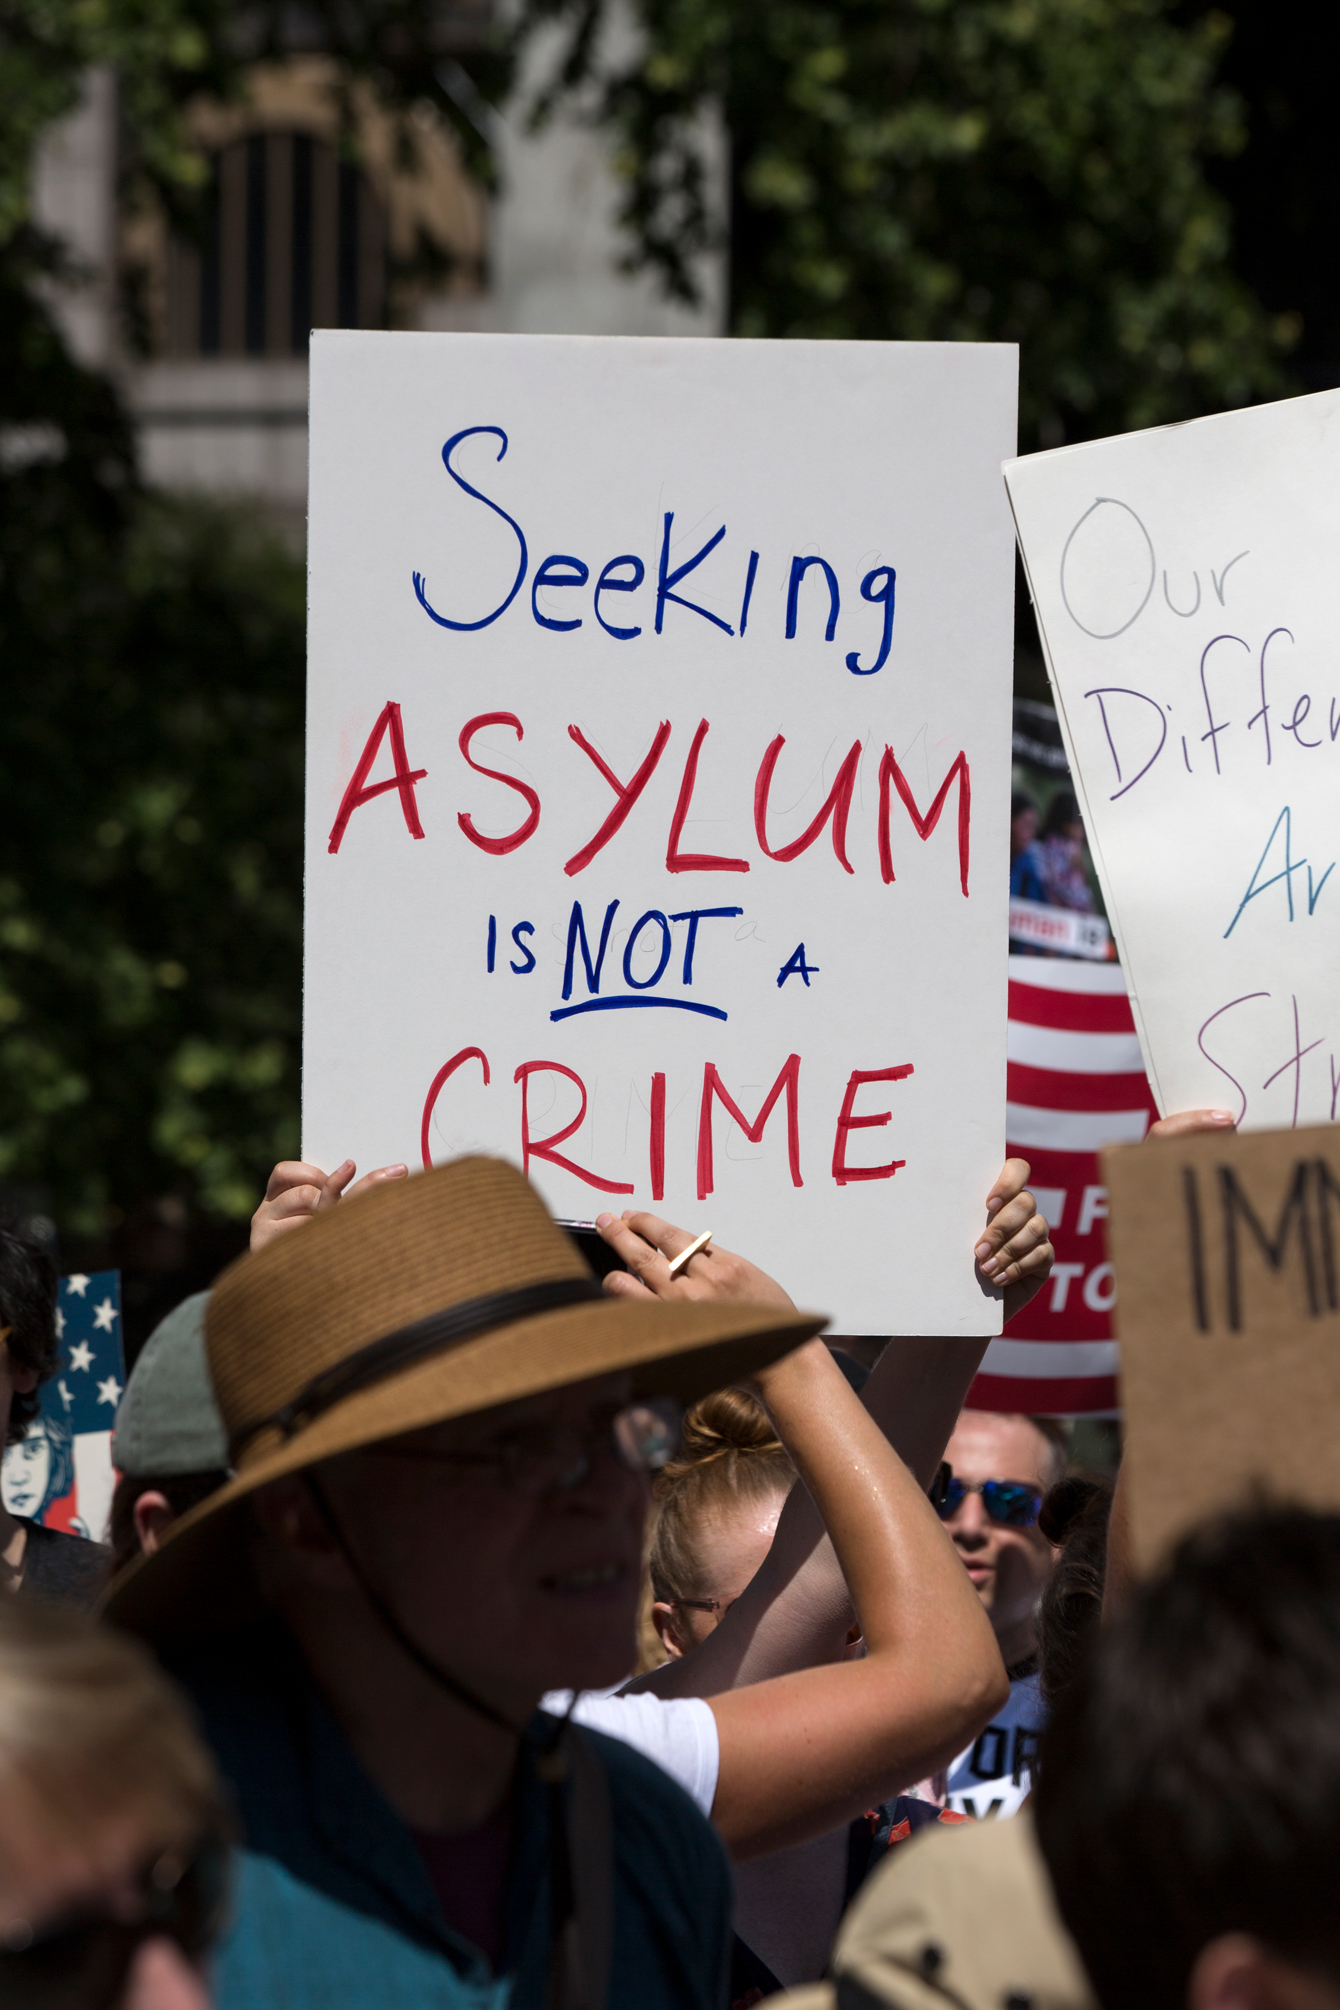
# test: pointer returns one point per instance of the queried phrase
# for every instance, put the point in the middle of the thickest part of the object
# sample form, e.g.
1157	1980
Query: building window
294	239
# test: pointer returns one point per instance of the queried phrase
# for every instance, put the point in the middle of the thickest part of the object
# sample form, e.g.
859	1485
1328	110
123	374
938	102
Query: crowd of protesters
477	1633
1047	854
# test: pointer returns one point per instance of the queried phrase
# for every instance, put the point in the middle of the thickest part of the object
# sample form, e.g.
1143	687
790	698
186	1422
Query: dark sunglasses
82	1962
1010	1503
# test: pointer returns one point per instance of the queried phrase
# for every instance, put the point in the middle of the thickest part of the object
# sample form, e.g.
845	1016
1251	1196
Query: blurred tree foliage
151	845
1030	171
165	52
151	763
1027	170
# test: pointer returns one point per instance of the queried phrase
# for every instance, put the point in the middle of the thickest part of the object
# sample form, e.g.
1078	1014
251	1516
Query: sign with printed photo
657	787
60	1473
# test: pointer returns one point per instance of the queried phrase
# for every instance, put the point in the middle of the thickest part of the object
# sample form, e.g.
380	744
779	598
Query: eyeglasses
541	1459
82	1962
721	1605
1010	1503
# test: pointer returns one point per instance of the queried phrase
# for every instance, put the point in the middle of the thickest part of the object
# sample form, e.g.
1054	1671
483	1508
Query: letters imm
1227	1228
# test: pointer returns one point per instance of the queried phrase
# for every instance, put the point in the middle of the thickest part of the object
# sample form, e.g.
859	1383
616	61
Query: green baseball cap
168	1421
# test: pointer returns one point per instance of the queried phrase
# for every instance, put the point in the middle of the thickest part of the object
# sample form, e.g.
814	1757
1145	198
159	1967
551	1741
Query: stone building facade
210	339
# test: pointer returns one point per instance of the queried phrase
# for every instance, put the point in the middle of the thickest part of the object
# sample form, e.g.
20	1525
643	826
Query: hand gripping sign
1188	601
658	736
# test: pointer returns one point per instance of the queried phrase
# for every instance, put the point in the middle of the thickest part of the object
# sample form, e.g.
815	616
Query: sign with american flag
60	1473
1075	1082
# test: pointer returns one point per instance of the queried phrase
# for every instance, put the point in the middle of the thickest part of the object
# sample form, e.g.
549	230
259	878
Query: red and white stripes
1075	1082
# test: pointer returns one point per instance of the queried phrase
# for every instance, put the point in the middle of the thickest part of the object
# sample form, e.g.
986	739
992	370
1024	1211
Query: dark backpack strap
582	1874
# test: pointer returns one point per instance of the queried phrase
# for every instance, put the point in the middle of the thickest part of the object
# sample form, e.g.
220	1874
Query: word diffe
626	573
1129	727
714	1089
834	811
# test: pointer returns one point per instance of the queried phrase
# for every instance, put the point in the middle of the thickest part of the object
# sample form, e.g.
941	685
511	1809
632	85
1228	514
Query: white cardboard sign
1188	595
659	712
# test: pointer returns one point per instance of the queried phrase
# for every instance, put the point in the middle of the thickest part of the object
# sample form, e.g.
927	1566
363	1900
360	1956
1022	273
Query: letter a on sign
403	779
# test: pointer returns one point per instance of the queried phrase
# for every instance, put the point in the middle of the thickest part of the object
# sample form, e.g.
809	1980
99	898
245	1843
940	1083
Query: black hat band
383	1357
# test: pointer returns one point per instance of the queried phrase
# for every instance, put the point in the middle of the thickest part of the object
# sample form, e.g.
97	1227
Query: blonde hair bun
729	1456
729	1420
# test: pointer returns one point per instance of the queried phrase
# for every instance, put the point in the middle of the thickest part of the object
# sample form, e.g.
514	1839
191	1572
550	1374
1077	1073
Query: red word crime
834	812
787	1085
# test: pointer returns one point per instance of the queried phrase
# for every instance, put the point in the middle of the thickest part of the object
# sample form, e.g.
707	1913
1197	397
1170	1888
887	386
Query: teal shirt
334	1909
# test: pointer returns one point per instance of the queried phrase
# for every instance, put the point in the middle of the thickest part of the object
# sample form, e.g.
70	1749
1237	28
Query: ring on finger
695	1248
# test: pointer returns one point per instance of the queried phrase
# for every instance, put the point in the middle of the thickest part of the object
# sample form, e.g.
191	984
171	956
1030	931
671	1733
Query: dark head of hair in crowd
1056	1433
28	1308
1074	1519
1190	1777
1062	811
1019	803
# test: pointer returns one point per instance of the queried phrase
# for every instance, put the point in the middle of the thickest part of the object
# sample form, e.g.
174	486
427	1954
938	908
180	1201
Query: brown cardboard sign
1227	1257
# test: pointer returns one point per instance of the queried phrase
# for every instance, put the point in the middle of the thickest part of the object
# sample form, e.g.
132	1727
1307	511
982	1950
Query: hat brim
198	1581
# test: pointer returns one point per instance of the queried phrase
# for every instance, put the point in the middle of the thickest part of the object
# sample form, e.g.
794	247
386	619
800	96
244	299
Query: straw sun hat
431	1298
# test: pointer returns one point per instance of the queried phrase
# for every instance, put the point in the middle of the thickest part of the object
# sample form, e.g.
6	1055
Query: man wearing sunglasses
1001	1468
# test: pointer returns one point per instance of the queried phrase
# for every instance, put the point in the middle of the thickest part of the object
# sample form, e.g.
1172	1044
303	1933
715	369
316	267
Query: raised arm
807	1751
796	1612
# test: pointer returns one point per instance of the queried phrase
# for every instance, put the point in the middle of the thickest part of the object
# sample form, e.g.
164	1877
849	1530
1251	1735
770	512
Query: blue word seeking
565	573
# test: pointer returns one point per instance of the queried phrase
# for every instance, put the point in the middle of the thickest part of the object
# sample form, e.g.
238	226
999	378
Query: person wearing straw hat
924	1679
440	1430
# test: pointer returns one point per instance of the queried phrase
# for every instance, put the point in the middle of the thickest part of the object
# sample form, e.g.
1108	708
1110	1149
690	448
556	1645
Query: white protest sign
1188	596
658	731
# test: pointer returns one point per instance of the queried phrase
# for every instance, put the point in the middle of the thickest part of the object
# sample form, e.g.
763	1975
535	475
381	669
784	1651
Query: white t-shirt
678	1733
992	1776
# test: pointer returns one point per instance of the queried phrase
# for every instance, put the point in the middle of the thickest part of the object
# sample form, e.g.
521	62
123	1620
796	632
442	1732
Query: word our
1110	569
626	573
834	812
1306	1223
785	1088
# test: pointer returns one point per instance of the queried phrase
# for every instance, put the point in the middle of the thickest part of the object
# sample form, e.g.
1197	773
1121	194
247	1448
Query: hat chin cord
404	1640
566	1984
